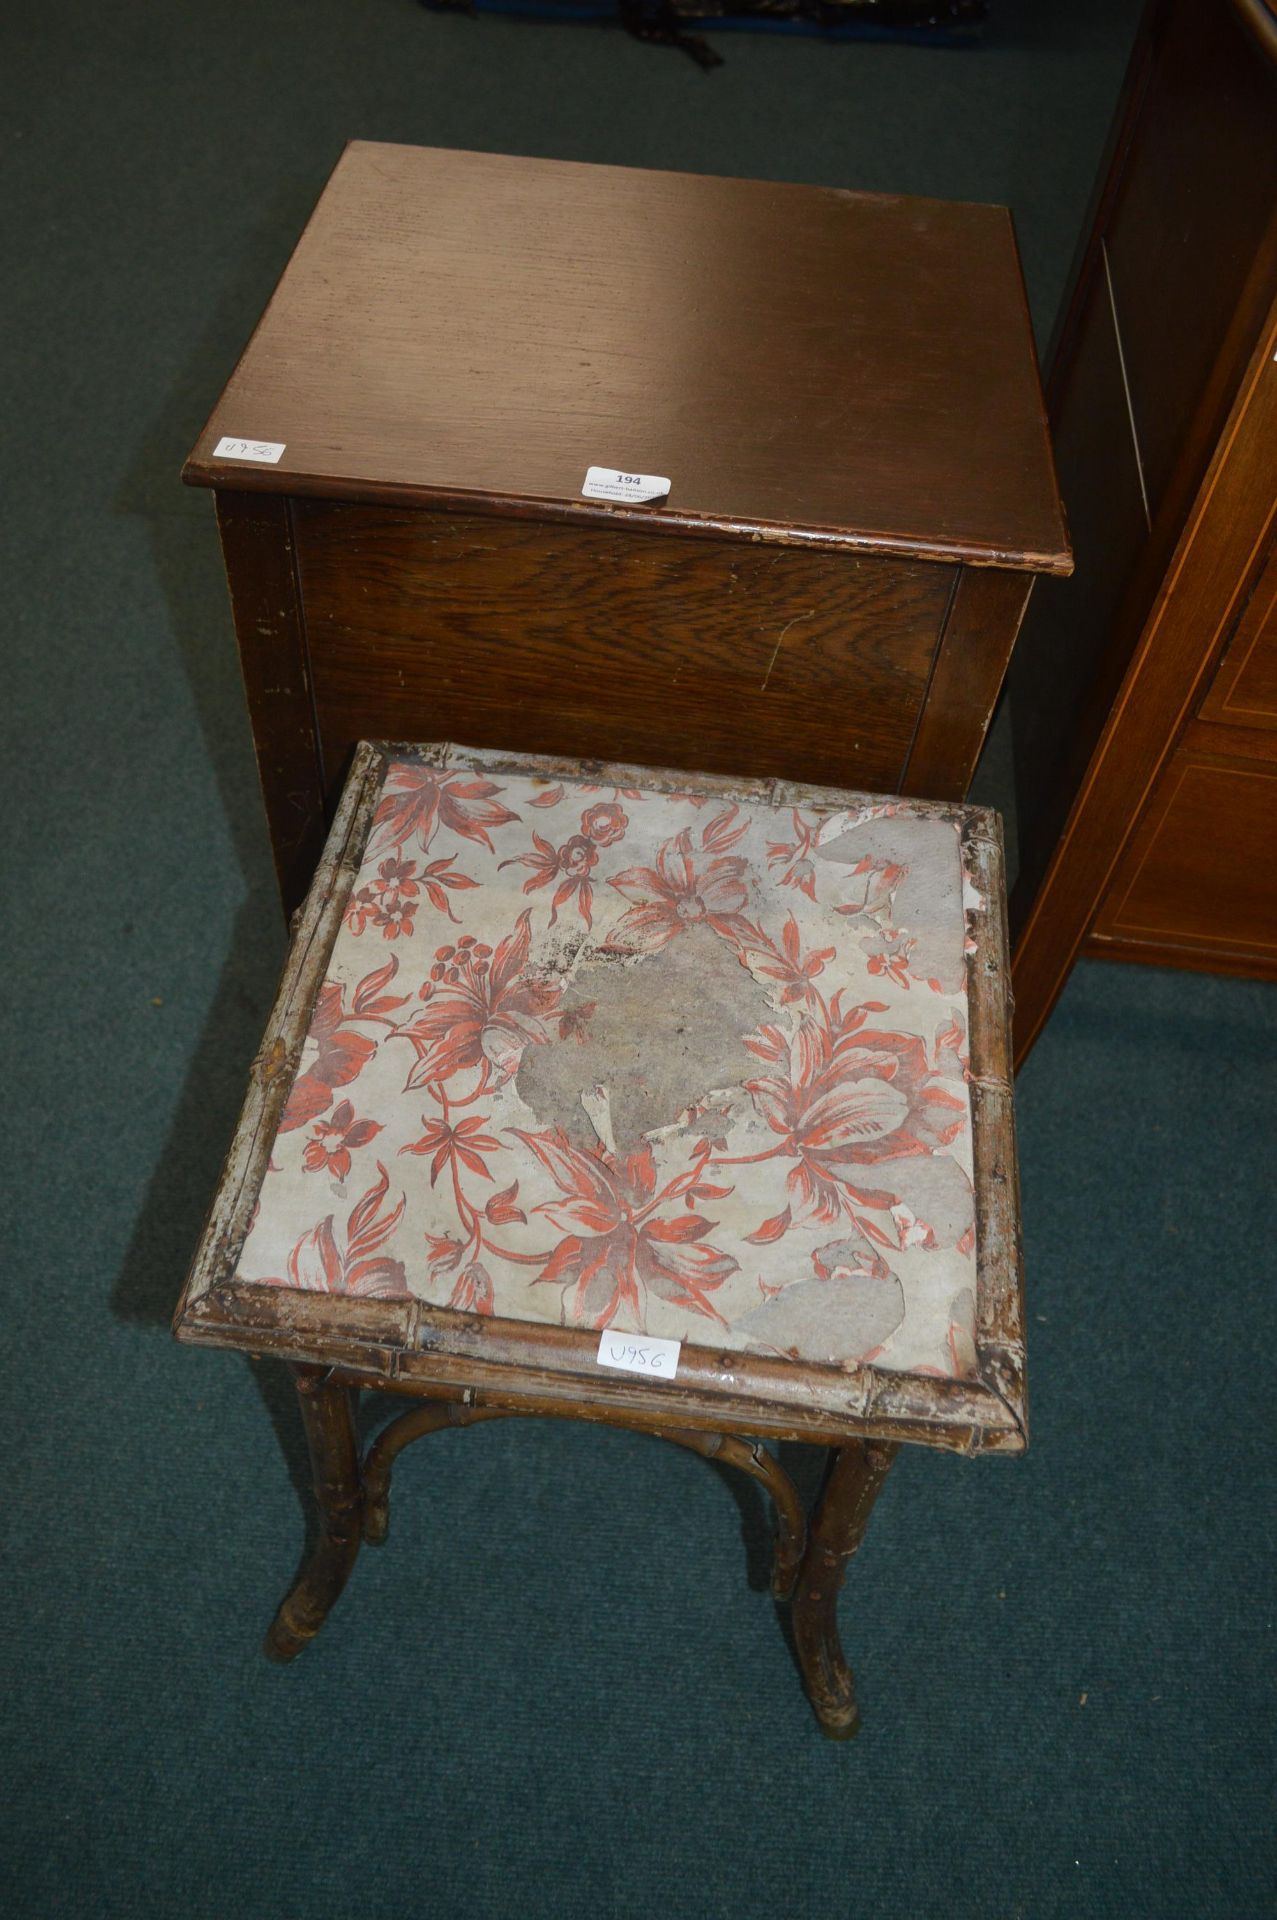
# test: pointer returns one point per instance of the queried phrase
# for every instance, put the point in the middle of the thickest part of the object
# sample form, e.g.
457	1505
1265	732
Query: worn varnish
841	387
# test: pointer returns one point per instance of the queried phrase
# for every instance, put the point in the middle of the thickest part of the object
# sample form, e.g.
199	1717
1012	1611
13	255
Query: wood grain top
805	364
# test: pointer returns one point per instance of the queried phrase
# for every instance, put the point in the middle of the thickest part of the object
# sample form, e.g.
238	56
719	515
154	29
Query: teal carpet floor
560	1690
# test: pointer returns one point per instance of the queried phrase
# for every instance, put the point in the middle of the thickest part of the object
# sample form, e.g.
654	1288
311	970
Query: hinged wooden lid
804	364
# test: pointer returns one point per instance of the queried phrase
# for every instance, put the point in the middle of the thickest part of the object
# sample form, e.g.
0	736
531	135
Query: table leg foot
334	1456
856	1473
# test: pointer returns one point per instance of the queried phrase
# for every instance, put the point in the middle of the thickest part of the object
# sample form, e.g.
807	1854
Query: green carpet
554	1693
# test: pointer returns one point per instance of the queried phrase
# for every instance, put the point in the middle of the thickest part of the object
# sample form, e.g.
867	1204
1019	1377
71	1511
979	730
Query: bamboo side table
658	1099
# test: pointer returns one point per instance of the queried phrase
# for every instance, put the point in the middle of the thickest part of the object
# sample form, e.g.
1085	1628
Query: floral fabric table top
640	1059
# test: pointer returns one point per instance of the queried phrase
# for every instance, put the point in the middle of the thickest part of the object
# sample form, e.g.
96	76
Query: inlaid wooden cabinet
840	388
1144	689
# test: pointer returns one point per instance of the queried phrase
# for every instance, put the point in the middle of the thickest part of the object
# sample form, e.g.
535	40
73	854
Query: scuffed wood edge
1000	1355
719	786
403	1346
201	470
274	1070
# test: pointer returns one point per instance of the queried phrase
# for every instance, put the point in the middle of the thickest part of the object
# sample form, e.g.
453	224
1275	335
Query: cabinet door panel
1202	870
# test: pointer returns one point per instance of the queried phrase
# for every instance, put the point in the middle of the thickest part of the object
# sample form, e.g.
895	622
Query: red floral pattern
333	1141
680	891
317	1264
481	1010
391	899
617	1249
342	1051
818	1204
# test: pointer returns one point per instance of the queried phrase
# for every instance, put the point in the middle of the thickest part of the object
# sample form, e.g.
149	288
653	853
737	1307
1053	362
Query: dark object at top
665	21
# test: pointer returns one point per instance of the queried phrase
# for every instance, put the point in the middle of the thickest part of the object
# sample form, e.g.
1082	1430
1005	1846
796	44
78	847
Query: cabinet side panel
970	664
1072	650
1188	231
1198	606
257	547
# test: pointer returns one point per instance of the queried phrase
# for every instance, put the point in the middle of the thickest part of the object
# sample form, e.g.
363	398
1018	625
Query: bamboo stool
671	1101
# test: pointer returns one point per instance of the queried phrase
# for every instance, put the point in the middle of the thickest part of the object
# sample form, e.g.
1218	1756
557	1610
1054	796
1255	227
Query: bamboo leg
334	1458
752	1457
856	1473
390	1443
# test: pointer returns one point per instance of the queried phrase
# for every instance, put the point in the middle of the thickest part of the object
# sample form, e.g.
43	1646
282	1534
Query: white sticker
638	1353
267	451
606	483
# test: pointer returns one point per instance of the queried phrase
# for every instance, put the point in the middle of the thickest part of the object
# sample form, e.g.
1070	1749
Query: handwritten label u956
640	1353
267	451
